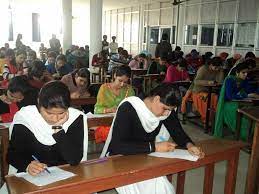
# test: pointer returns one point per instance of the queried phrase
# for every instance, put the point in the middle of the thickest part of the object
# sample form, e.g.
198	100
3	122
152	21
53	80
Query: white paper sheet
177	153
91	115
45	178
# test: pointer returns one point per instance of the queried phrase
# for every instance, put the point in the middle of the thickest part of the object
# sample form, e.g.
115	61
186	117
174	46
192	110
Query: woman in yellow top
111	94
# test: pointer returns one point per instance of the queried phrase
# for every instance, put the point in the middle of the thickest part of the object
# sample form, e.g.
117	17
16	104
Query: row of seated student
55	133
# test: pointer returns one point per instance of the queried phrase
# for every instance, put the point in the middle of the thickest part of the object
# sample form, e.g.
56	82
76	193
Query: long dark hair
169	94
54	94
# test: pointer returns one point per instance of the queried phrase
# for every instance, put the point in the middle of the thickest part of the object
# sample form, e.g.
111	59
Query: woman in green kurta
235	87
111	94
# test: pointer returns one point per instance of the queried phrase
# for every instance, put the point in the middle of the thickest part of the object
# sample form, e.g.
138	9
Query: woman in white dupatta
134	130
49	134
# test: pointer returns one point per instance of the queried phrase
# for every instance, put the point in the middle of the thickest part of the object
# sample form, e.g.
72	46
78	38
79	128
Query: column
95	28
67	24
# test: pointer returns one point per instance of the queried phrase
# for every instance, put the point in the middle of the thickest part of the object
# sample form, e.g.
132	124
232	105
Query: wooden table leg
208	110
252	181
208	179
230	181
238	124
180	182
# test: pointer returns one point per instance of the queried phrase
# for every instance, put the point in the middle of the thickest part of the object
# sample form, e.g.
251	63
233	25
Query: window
246	35
207	35
190	34
154	33
225	34
166	31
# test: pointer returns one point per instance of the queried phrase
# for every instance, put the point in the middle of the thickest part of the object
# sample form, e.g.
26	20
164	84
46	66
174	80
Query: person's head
113	38
87	48
163	60
120	49
2	52
237	56
142	57
19	36
194	53
51	57
32	55
9	55
124	54
36	70
82	78
105	37
54	36
61	60
250	55
164	37
241	70
182	65
121	76
54	101
223	56
6	45
177	48
17	88
20	56
215	63
42	45
164	98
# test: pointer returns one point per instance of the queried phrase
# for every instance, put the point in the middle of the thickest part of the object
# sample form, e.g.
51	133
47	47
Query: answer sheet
177	153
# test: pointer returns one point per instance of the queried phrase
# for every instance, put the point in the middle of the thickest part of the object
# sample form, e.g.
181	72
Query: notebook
45	178
177	153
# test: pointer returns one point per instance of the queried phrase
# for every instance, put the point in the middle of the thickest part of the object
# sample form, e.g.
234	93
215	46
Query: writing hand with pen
36	167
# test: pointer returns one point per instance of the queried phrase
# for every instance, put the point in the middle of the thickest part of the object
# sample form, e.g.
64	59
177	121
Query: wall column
95	28
67	24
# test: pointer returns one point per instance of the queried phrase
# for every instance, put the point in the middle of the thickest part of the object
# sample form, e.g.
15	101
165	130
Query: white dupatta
30	117
149	122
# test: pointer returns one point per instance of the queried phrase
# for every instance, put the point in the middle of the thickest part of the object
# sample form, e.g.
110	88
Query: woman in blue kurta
235	87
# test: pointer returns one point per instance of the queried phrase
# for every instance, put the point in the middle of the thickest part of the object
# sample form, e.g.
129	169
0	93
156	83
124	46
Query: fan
177	2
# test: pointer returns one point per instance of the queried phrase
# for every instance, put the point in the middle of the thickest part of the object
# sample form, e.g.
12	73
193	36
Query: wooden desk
83	101
210	88
119	171
252	181
147	80
4	133
137	72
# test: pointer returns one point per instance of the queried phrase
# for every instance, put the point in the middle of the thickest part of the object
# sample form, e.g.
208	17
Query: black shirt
129	136
68	147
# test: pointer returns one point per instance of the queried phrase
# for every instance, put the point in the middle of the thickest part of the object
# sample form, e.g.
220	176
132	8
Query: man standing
54	44
113	46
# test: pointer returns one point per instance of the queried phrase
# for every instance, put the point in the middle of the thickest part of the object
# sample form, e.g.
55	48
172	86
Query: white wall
242	14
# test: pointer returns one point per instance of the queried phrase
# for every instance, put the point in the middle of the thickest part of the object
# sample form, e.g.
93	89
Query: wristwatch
57	128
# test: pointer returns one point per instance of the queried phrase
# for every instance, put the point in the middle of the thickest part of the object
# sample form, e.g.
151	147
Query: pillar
67	24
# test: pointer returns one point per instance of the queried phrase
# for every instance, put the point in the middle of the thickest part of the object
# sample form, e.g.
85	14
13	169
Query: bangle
150	148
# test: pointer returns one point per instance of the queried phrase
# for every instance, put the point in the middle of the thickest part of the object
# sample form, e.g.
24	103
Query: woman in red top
177	73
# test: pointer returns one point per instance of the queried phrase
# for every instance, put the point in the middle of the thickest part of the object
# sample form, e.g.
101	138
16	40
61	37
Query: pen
39	161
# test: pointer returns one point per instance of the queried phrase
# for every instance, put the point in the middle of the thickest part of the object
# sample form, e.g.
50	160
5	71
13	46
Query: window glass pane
166	31
154	32
190	34
225	34
207	35
246	35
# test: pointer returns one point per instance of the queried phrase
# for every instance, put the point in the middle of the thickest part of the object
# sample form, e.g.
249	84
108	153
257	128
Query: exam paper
45	178
177	153
91	115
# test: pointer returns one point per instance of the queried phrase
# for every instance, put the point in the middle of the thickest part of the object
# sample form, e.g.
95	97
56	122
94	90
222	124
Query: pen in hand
39	161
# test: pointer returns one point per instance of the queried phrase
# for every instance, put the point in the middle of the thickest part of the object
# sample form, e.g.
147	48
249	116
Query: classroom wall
207	25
